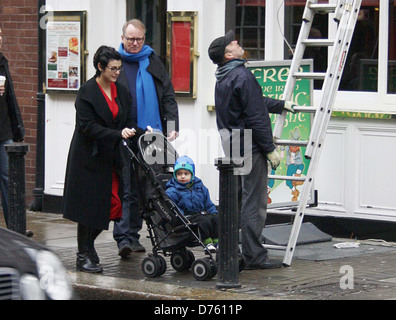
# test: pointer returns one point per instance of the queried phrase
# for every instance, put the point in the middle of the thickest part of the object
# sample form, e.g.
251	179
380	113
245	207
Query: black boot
85	245
93	255
92	252
85	264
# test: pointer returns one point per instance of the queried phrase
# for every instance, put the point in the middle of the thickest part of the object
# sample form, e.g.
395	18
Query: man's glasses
132	40
115	69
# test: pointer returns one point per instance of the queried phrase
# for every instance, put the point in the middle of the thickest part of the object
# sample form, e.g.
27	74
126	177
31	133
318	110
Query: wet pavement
369	275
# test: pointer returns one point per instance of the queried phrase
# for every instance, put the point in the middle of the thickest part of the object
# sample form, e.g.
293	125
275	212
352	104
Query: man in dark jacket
244	123
11	126
154	106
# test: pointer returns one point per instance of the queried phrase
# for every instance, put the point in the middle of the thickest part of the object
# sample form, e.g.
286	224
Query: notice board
272	77
65	50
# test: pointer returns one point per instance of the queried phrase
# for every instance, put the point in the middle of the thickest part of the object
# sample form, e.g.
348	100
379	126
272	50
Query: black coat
9	98
95	151
240	105
165	92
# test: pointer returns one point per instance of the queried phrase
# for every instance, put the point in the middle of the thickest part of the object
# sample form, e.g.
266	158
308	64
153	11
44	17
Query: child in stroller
170	231
189	193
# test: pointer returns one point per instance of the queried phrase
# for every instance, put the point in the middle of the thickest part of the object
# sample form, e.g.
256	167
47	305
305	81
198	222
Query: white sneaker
211	248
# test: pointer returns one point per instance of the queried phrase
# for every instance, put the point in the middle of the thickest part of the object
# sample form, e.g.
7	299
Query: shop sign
272	77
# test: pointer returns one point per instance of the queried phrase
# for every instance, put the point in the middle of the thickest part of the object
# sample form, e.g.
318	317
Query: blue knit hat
185	163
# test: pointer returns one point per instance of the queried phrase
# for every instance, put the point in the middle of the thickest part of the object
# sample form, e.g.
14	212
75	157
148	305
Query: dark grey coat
95	151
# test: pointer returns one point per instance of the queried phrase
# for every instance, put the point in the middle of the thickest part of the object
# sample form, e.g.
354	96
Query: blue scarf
146	94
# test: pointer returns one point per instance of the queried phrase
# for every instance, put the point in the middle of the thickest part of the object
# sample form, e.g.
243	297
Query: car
30	271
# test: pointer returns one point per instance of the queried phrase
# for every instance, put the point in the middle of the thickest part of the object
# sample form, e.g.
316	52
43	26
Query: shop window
361	69
247	18
153	14
293	19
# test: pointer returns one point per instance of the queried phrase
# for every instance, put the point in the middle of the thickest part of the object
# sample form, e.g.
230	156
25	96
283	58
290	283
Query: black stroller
169	230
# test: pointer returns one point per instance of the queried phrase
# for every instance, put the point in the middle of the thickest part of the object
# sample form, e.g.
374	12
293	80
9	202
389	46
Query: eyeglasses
115	69
132	40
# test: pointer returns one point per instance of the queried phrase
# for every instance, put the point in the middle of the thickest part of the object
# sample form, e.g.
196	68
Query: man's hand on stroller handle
127	133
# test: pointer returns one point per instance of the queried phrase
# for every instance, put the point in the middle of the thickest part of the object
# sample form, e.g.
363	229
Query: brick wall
20	45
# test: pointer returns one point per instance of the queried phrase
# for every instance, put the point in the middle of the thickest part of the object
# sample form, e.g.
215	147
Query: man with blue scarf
154	106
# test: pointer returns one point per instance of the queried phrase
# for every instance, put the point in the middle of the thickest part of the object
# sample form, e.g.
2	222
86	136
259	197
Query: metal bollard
228	262
16	181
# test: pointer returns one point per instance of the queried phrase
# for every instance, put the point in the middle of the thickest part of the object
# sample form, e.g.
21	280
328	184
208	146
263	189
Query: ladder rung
318	42
274	247
305	109
292	178
310	75
288	212
322	7
339	11
290	143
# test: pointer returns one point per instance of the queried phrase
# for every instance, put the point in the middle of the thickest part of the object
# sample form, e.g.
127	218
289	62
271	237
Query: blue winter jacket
191	197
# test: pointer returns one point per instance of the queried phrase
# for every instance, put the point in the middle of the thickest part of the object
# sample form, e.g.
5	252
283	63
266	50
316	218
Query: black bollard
16	181
228	262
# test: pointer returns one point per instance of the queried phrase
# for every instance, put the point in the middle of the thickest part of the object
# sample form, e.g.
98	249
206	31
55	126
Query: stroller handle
141	163
129	149
133	155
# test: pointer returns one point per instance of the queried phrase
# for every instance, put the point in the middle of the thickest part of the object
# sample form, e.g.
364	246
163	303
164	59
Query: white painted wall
199	138
355	176
104	24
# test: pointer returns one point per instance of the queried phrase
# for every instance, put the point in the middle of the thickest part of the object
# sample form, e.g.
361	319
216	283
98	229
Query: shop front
355	174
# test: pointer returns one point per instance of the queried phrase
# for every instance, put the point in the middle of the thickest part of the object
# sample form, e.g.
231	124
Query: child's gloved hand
274	158
289	106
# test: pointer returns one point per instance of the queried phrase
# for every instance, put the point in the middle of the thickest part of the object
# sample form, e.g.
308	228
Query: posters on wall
63	53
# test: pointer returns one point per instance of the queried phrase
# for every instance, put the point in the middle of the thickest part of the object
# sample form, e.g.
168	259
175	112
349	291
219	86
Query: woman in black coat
92	184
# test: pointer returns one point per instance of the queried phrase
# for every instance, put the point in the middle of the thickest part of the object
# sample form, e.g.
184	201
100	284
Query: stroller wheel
204	269
241	262
213	265
180	260
162	263
151	267
191	257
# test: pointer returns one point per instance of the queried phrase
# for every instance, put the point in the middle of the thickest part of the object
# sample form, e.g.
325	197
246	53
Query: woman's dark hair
103	55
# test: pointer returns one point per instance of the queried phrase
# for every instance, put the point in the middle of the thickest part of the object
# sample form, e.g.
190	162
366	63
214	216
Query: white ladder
345	14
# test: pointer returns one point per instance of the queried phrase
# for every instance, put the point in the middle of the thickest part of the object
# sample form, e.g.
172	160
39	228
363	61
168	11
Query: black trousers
86	238
207	223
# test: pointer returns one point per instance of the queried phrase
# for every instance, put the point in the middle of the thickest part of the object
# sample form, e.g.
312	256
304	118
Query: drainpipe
38	191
